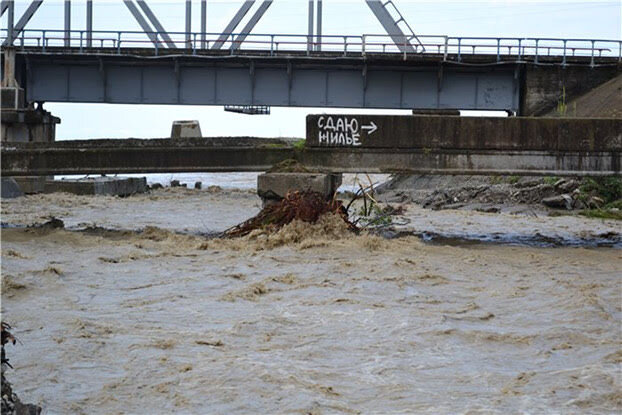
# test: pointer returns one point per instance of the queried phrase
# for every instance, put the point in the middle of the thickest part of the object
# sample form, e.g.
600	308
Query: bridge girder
386	82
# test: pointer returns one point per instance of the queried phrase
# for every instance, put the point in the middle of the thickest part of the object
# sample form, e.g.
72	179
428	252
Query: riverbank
544	196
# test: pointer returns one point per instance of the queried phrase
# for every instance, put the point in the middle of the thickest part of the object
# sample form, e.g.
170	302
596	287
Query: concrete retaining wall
544	86
465	133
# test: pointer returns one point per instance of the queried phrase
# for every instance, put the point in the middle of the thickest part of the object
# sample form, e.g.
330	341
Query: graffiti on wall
342	130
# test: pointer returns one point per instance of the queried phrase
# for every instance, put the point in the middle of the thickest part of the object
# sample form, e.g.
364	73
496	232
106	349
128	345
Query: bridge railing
450	48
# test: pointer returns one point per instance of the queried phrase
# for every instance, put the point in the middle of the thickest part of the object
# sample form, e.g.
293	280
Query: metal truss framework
157	34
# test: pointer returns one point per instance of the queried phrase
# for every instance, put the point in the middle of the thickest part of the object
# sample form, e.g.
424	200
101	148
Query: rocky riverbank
11	404
513	194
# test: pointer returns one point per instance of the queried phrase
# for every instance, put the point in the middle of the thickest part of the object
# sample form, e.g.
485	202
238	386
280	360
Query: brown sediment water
312	319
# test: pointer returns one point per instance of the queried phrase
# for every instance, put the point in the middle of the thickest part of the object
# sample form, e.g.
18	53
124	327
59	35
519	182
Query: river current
131	310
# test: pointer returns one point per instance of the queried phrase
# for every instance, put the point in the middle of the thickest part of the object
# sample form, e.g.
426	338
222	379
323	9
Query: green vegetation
550	180
562	107
513	179
375	216
607	188
300	145
273	145
288	166
602	214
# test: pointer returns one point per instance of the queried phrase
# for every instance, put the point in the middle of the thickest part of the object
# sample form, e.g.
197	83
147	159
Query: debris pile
288	166
10	402
304	206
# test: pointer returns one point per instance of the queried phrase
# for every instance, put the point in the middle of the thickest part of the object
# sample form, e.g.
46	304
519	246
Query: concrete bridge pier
22	122
272	187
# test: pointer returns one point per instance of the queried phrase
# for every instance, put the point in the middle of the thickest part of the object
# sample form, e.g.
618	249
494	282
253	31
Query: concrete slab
274	186
114	186
31	184
186	129
10	189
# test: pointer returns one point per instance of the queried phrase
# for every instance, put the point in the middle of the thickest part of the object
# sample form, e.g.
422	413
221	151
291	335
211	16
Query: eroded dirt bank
311	320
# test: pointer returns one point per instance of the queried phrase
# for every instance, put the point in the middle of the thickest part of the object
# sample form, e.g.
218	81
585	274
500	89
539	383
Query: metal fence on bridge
449	48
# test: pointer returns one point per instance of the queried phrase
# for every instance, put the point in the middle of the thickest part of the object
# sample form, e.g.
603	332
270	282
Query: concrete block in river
114	186
274	186
10	188
185	129
31	184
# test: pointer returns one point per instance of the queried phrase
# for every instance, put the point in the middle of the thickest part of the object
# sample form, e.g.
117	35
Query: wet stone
558	201
10	188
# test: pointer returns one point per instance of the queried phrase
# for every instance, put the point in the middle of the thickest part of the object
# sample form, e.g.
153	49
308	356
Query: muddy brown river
310	320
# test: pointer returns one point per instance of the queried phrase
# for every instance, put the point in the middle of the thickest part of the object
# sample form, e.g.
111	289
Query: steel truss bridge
397	70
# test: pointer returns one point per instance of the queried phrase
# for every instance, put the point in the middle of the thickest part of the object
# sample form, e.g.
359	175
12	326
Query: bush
607	188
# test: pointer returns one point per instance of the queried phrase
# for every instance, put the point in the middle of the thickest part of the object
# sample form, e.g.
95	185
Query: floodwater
310	320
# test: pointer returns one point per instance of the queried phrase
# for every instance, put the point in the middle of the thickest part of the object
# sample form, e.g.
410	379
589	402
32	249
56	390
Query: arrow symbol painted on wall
371	128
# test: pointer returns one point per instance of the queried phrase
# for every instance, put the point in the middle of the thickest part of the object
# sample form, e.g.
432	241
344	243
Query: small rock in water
198	185
156	186
175	183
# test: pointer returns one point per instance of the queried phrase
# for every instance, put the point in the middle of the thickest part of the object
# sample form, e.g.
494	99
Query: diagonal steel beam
30	11
3	6
156	23
251	23
141	21
390	26
233	24
10	24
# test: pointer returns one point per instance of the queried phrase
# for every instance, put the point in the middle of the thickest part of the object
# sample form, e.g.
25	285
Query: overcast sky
527	18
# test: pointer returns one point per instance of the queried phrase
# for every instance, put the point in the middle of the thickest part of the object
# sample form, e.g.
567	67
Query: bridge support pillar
26	125
12	94
21	123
